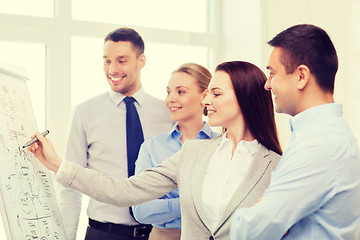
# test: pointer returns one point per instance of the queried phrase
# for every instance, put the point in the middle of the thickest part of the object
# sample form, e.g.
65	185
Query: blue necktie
134	134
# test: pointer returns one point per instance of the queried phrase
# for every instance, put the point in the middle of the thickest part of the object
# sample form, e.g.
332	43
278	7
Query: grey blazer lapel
203	161
256	171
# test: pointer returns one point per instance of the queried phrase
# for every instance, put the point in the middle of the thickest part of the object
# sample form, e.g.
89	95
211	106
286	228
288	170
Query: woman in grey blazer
214	177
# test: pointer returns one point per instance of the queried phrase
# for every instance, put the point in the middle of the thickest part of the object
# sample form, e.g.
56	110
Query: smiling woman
235	168
222	106
186	89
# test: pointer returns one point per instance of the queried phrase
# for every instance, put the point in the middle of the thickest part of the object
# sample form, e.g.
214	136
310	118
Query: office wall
248	25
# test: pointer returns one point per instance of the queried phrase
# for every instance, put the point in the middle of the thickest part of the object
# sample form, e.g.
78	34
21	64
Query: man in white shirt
97	137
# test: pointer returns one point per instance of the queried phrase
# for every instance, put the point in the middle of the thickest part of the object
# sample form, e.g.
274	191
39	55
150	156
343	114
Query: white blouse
224	175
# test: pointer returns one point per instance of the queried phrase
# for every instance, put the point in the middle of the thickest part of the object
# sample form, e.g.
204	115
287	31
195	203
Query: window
40	8
32	58
161	60
87	76
185	15
63	51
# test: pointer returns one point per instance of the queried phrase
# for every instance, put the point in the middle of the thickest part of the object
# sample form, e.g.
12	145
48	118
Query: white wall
242	31
244	27
248	25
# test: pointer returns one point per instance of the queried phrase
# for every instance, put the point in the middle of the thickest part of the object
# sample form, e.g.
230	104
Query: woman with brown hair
214	177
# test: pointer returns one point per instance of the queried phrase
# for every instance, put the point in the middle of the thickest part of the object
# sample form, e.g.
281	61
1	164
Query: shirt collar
205	131
311	116
174	131
250	146
116	97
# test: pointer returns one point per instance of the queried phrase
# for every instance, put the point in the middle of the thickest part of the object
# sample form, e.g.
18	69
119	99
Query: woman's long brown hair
255	102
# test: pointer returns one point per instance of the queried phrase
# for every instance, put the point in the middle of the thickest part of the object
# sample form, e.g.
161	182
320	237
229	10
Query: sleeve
151	184
160	211
163	211
289	198
144	161
69	200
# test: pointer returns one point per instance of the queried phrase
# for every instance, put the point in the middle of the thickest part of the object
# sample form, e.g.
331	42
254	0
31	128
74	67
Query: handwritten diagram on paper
29	203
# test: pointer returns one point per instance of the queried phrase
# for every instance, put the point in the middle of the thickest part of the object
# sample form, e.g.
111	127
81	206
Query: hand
45	152
257	200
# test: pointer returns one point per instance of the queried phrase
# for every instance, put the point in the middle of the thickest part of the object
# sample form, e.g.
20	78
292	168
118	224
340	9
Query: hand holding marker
35	139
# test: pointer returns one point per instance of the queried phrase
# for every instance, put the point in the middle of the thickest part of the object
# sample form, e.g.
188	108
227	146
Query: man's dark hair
309	45
127	35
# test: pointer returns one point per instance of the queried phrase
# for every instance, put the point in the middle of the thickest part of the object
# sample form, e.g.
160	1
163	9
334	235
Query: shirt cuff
175	207
58	173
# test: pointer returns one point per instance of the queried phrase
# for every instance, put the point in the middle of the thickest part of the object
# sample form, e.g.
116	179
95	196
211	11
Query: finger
40	137
31	149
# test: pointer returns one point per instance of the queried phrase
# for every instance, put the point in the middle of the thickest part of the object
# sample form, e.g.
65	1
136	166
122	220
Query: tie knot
129	100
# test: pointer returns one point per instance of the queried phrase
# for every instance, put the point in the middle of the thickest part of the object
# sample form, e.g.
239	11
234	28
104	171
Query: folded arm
290	197
165	211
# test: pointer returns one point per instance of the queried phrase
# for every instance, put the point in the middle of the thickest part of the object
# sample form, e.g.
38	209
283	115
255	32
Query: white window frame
56	34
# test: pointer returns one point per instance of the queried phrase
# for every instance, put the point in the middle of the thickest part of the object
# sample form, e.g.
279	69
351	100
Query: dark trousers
101	231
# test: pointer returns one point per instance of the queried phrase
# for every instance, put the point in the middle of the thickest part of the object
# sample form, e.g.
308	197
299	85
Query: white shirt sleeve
69	200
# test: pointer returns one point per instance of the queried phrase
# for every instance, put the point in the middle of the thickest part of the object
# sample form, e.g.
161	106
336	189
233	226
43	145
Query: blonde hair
200	73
